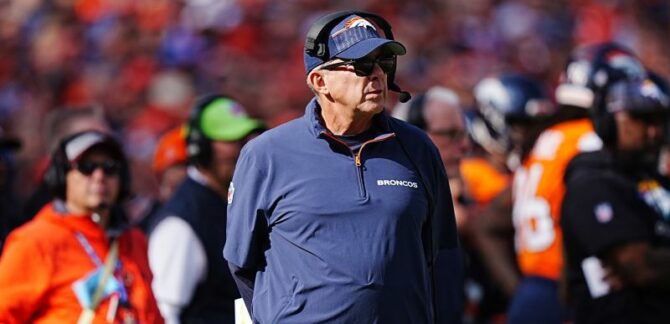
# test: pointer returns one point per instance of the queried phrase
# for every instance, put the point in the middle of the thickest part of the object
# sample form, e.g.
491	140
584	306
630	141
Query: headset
415	112
634	96
316	43
56	173
198	145
603	75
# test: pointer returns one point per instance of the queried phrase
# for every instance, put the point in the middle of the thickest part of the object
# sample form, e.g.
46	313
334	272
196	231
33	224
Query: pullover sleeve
25	272
447	270
440	237
246	230
244	280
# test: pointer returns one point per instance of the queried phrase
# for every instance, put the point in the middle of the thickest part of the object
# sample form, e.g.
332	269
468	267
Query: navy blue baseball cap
354	38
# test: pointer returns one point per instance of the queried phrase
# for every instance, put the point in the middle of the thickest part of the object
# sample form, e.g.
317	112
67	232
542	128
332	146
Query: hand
612	279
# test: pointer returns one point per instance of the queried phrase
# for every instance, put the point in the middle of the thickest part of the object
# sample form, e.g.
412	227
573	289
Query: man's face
224	158
93	183
366	94
522	135
170	180
637	133
446	128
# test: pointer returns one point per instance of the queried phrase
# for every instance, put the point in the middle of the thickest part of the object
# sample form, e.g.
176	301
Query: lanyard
89	249
98	263
88	314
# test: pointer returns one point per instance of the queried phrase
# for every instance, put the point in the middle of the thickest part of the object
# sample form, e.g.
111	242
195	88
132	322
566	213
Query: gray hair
442	94
316	68
59	122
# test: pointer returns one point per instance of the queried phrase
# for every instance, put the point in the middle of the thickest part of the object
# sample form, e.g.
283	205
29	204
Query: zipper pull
358	159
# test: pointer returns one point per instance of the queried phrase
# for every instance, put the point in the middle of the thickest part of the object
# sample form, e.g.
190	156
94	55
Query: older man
345	214
615	214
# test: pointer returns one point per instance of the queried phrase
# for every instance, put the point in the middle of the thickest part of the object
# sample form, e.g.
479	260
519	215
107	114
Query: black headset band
603	121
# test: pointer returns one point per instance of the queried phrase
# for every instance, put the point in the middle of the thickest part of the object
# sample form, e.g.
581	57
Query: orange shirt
538	191
483	180
43	258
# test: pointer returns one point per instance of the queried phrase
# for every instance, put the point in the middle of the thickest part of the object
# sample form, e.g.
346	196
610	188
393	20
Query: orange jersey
538	191
43	259
483	180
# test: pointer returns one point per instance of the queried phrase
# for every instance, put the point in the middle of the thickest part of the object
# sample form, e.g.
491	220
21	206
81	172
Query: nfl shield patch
231	193
604	212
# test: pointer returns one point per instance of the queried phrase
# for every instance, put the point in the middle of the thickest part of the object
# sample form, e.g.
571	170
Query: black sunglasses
364	67
452	133
651	118
109	168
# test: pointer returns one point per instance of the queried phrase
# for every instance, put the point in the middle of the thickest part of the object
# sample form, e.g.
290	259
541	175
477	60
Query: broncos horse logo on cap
355	21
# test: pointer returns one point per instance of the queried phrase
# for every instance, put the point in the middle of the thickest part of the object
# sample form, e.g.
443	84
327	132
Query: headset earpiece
603	122
198	146
316	43
602	78
415	113
54	177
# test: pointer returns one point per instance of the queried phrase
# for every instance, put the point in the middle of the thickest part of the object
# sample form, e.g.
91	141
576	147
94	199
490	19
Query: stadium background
143	61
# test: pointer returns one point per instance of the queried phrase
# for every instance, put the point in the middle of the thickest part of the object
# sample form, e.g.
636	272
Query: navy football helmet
504	100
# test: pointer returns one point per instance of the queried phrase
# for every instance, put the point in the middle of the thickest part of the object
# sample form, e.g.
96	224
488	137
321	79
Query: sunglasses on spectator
364	67
452	134
651	118
87	167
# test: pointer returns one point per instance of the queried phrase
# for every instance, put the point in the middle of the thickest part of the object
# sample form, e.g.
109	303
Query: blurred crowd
142	62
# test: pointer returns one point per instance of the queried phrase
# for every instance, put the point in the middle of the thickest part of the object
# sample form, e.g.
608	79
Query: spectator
538	235
169	168
440	114
517	106
59	124
345	214
445	126
485	170
615	215
485	176
170	161
77	260
192	282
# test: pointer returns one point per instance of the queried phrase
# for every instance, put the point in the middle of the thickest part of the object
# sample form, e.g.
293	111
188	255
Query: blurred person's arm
638	264
458	197
178	263
608	220
492	233
25	273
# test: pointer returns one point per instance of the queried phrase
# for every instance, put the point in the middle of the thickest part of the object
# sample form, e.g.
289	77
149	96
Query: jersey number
532	214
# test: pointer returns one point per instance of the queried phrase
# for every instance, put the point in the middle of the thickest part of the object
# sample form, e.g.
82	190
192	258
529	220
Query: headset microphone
403	96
